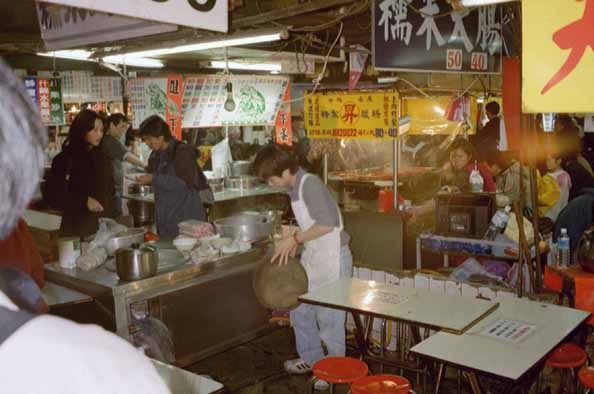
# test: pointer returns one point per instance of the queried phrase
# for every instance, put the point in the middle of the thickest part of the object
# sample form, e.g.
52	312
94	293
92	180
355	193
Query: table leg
474	383
418	253
440	374
360	334
122	311
446	260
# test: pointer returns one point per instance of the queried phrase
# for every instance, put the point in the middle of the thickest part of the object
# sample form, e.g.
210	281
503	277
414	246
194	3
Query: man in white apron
326	256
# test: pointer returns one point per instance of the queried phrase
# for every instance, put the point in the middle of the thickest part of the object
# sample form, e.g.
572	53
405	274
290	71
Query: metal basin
245	228
125	239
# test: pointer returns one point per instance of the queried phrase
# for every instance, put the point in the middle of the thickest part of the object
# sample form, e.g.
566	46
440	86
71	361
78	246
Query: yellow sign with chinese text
428	116
558	56
358	115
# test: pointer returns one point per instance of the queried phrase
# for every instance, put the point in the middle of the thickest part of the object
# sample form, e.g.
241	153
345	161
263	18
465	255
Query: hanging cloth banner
173	113
284	127
199	14
357	115
357	60
557	56
46	93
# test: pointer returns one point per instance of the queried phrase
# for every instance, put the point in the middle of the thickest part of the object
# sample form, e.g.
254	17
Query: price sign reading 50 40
454	59
478	61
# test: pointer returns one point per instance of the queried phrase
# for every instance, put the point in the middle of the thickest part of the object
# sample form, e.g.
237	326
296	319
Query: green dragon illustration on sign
251	102
158	100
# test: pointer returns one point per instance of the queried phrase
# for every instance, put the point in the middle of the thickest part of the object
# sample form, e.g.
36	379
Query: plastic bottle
498	223
563	247
476	180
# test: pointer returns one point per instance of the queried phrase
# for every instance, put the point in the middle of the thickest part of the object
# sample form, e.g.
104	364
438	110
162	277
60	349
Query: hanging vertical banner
557	56
173	113
56	102
284	126
357	60
360	115
43	99
31	86
512	93
409	35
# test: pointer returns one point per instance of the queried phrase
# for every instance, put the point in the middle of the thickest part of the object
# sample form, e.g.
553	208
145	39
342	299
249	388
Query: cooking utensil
275	216
216	184
240	167
137	262
124	239
241	182
143	190
142	212
245	228
278	287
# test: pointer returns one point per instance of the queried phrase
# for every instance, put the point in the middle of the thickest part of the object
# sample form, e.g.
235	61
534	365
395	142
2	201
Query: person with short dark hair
326	256
38	349
487	139
114	148
91	191
175	177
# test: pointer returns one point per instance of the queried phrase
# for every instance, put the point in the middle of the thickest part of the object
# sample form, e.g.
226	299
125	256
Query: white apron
321	257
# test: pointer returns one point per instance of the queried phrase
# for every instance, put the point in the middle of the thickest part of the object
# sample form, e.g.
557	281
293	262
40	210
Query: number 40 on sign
454	59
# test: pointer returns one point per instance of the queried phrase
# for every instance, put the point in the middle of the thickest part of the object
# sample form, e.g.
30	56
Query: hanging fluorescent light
212	44
81	54
478	3
271	67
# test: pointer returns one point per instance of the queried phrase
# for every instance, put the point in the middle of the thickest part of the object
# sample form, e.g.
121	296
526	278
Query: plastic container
498	223
195	228
564	249
476	180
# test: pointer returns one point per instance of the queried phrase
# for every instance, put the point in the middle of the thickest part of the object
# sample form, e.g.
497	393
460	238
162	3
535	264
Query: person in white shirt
47	354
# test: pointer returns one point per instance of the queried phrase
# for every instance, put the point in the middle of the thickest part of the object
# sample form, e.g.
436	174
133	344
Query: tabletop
529	331
55	295
42	220
419	306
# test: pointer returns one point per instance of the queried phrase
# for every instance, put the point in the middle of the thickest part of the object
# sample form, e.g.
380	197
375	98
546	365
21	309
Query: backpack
55	188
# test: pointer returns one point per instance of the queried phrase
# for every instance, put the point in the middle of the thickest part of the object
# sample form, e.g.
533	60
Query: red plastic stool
567	357
338	370
586	376
381	384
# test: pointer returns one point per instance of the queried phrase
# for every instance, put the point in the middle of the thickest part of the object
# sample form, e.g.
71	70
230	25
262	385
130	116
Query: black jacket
90	176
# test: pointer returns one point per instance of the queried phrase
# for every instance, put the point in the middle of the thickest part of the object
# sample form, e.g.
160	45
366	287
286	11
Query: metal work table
200	304
56	295
227	194
516	362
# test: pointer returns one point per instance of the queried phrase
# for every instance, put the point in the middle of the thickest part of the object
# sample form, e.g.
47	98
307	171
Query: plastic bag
221	158
96	254
468	268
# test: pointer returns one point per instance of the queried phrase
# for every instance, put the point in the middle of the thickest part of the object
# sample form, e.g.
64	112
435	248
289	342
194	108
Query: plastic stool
567	357
586	376
338	370
381	384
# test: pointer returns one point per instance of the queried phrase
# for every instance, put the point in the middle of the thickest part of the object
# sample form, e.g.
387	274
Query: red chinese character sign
284	127
358	114
426	35
558	56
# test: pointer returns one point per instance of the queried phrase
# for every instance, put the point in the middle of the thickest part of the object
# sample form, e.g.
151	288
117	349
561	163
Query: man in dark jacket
487	139
174	175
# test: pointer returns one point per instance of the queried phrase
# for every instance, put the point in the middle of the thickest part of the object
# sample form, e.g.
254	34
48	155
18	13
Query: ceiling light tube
81	54
271	67
478	3
213	43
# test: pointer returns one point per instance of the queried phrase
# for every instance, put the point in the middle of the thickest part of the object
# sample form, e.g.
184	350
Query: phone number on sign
347	133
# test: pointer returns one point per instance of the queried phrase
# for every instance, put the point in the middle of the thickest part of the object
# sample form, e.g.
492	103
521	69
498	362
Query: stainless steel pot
241	167
143	190
241	182
142	212
246	228
137	262
125	239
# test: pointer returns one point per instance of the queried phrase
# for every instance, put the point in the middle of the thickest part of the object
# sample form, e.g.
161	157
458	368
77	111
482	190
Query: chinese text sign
435	39
361	115
558	56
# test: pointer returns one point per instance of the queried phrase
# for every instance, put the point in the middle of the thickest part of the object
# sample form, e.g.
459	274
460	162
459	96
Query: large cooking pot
142	212
143	190
137	262
585	250
246	228
243	182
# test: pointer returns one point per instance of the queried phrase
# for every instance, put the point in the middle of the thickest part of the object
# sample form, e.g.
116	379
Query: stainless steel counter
225	195
207	307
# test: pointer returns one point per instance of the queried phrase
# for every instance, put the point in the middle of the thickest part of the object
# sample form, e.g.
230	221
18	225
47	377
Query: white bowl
185	244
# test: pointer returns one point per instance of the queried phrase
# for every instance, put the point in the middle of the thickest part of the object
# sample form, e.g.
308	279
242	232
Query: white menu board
508	330
148	96
257	100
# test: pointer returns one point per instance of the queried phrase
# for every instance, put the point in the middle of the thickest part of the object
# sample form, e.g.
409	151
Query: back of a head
492	108
115	119
155	126
273	160
22	142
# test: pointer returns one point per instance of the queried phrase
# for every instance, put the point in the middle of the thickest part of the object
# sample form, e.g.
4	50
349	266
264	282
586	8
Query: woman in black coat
91	192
